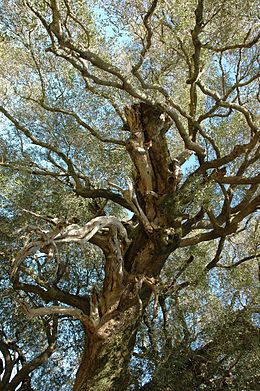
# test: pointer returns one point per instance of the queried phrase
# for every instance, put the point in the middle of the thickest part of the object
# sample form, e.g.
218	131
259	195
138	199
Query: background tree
129	149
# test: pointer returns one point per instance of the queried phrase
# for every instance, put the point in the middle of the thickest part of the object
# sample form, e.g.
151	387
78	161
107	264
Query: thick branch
54	293
40	311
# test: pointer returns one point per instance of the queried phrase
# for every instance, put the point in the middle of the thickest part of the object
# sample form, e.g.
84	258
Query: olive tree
140	118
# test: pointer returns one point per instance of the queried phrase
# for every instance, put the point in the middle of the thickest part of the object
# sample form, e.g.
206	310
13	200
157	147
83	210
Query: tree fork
107	351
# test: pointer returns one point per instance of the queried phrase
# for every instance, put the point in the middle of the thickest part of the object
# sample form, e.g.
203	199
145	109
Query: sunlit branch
248	162
41	172
103	193
189	144
79	188
55	28
194	221
57	310
228	197
223	74
248	196
54	293
109	97
230	228
211	140
38	68
77	21
71	233
250	208
214	222
182	269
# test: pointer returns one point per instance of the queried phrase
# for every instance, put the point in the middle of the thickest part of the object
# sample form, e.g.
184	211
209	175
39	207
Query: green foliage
200	330
206	335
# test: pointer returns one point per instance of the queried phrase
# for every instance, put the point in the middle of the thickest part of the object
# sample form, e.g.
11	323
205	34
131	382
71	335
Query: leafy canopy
69	71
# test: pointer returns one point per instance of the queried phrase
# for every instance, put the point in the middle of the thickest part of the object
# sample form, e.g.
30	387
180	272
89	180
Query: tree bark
107	351
109	346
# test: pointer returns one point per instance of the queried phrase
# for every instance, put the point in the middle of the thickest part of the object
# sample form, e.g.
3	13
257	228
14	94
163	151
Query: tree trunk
107	351
108	346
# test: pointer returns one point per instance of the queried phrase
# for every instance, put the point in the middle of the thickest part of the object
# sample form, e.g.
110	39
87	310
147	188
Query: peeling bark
107	351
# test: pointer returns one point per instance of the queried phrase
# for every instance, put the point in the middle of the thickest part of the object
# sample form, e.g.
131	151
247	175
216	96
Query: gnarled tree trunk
134	255
107	351
108	346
